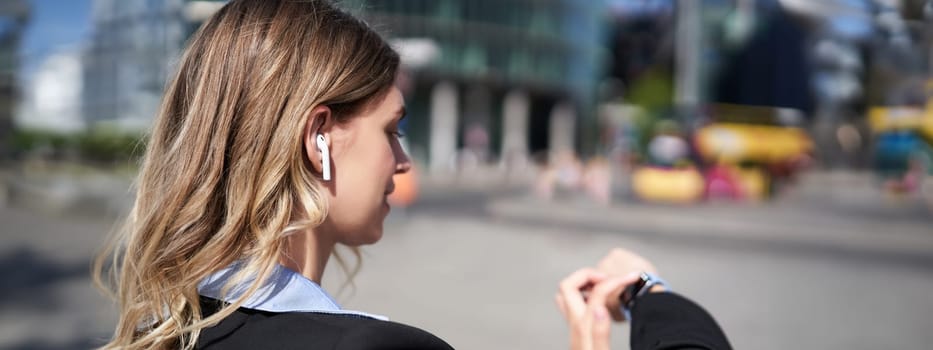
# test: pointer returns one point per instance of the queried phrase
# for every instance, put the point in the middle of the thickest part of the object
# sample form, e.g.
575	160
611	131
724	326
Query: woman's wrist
648	283
658	288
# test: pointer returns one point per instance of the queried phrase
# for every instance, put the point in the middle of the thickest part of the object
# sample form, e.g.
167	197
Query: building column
689	52
515	113
443	132
562	130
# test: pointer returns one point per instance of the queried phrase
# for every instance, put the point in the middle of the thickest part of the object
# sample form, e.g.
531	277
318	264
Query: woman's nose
402	162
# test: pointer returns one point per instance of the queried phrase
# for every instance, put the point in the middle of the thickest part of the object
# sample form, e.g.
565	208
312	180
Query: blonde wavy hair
225	178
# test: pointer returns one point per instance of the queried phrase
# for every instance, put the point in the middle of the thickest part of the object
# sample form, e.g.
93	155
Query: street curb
693	224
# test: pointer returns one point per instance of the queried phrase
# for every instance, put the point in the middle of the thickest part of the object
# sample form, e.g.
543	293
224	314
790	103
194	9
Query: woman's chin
368	237
374	237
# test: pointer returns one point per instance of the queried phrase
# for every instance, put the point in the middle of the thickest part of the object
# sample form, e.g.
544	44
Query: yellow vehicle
891	119
740	157
751	156
735	143
674	185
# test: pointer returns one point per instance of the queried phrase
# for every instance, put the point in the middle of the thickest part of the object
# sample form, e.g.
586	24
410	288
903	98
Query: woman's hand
621	262
582	298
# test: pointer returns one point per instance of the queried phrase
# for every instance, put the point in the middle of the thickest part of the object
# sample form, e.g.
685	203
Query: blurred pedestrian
668	147
625	286
597	180
545	182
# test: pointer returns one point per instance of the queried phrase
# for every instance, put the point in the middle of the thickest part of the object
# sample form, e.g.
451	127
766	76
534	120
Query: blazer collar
285	291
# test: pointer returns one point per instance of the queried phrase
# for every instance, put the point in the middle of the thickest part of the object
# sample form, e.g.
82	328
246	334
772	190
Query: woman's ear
319	123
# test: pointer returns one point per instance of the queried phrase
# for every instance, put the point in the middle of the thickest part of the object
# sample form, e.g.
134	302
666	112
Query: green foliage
31	141
109	145
99	145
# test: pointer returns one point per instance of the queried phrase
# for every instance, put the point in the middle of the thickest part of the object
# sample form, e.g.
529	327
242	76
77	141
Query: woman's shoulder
254	329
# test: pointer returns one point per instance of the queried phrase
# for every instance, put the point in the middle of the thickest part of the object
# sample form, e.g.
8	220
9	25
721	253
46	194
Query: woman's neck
307	253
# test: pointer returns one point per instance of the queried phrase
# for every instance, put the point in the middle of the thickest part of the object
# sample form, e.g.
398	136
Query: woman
276	141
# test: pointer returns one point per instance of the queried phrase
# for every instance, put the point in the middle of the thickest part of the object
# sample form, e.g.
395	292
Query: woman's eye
397	133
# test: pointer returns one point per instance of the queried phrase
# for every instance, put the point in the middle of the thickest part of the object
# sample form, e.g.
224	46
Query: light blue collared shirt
285	291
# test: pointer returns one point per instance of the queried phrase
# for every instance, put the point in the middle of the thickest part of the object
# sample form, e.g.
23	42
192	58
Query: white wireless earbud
325	156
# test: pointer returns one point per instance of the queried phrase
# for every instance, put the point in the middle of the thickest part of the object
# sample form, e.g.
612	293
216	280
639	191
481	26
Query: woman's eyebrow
402	113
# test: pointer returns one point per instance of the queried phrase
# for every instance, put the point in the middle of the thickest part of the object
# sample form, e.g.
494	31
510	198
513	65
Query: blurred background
774	158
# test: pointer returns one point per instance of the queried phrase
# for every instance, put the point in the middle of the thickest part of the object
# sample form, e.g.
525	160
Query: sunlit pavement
480	269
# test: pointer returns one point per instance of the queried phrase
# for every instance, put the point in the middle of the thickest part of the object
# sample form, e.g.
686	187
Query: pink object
722	183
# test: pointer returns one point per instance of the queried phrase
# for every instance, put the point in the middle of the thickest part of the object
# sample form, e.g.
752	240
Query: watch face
628	295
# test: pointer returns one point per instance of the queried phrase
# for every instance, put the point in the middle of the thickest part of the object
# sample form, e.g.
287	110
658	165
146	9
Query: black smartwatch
641	287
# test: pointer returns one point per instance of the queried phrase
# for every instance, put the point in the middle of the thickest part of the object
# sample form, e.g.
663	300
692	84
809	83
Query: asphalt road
482	280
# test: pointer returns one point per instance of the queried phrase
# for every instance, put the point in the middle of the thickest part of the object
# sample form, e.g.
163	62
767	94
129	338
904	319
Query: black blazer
659	321
254	329
671	322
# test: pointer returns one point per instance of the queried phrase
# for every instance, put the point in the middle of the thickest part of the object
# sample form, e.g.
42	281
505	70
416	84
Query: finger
583	327
614	305
570	289
606	293
600	323
611	288
600	329
614	301
561	305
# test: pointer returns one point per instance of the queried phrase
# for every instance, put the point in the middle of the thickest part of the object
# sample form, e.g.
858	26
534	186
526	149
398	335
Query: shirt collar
284	291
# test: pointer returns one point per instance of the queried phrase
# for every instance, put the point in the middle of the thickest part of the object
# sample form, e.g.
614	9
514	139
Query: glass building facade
133	47
530	57
494	56
529	42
